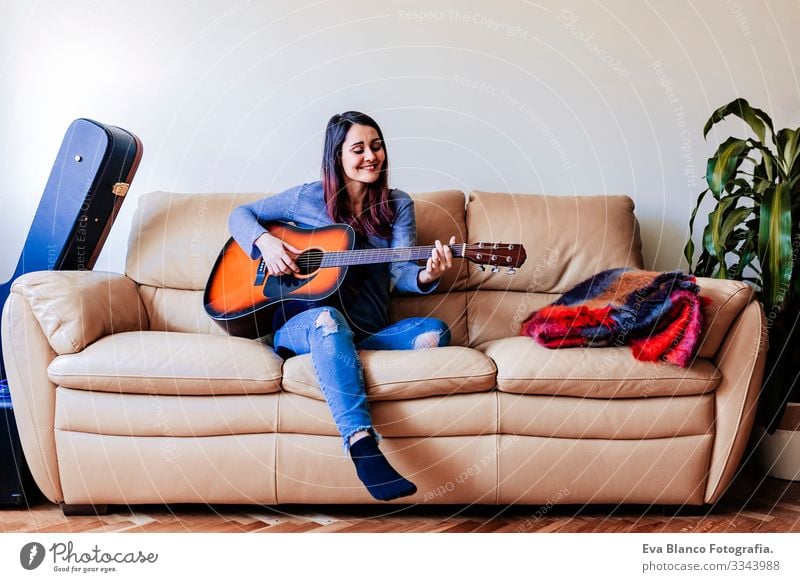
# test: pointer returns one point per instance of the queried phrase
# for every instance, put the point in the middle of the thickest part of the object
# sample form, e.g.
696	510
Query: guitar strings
371	253
396	250
360	254
426	248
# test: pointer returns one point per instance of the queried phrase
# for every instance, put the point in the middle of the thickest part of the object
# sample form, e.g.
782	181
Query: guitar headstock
498	255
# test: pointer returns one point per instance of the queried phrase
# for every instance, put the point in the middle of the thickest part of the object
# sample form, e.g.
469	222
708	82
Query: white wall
568	97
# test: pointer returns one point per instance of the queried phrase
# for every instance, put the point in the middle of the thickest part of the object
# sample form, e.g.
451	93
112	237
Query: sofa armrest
725	301
26	355
75	308
50	313
741	360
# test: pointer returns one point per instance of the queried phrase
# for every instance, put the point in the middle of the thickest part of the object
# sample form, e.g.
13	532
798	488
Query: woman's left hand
440	260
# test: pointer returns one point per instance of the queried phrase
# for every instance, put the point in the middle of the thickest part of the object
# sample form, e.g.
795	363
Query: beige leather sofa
126	392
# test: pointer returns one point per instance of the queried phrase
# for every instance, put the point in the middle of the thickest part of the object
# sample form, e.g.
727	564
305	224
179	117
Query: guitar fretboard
390	255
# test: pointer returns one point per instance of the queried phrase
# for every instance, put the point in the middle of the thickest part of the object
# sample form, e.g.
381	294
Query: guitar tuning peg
495	269
511	270
481	268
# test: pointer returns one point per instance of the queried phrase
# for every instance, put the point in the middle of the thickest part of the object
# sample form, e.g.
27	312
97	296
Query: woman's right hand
278	255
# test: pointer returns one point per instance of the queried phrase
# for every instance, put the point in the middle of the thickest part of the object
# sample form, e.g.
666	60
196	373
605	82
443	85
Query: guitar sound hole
309	261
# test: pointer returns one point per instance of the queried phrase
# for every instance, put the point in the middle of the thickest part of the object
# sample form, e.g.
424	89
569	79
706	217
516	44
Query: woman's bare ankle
358	435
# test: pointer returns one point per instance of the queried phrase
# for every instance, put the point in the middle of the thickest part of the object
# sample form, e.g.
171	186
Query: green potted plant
753	235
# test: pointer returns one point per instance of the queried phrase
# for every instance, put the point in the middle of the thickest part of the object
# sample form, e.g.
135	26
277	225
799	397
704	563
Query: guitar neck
390	255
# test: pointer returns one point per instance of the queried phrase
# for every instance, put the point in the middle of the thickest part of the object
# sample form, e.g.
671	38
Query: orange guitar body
241	296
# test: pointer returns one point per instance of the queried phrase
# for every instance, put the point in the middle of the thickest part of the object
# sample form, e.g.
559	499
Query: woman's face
362	154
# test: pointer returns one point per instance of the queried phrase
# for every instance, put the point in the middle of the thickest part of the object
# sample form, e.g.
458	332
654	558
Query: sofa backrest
566	239
439	215
173	244
176	238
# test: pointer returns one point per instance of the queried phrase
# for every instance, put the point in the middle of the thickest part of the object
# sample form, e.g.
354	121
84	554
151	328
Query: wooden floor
753	504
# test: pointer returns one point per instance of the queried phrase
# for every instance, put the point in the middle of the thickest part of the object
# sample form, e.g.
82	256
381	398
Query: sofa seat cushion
402	374
158	415
437	416
161	362
565	417
526	367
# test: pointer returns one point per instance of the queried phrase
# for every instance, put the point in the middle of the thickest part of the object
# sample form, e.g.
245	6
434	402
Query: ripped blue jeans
325	333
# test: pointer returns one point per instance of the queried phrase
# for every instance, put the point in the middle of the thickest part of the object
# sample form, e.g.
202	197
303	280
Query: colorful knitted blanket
658	314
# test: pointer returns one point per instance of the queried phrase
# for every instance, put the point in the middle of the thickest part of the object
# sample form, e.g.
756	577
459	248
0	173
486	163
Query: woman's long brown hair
377	215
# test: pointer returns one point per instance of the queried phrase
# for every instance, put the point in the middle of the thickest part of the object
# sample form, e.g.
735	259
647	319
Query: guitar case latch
120	189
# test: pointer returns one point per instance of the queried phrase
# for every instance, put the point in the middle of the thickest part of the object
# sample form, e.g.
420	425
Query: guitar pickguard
281	286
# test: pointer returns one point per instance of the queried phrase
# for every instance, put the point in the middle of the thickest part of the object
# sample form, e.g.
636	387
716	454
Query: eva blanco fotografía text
705	549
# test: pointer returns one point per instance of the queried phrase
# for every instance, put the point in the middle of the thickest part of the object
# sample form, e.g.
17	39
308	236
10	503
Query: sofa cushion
566	238
155	362
74	308
176	238
565	417
439	215
435	416
498	314
401	374
177	310
450	307
159	415
526	367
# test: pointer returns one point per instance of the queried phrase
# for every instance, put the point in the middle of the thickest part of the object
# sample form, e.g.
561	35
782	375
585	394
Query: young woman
353	190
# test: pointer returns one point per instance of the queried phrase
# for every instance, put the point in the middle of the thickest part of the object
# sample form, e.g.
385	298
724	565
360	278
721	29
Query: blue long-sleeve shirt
364	294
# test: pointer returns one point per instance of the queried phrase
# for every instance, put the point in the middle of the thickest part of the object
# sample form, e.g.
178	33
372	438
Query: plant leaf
764	169
788	150
711	240
758	120
688	249
722	167
732	220
775	245
747	253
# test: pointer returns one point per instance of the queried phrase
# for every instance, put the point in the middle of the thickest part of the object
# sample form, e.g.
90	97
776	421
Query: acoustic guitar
241	296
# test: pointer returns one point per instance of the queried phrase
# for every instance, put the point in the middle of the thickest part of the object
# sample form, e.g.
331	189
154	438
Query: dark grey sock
380	478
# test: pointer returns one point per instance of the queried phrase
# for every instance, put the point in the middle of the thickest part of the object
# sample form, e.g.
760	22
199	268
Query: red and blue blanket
658	314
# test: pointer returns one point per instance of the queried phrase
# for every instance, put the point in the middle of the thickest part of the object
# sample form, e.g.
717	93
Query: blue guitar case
87	186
